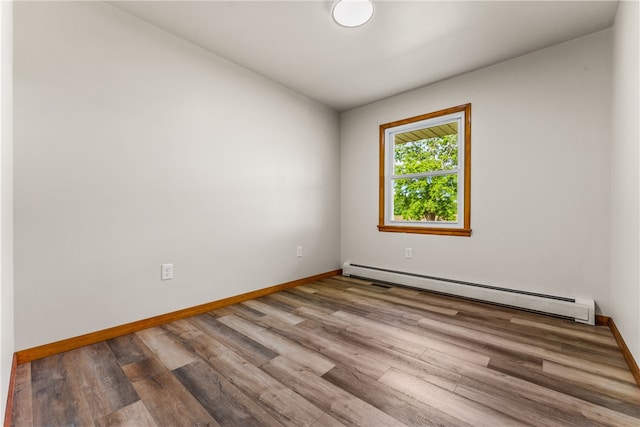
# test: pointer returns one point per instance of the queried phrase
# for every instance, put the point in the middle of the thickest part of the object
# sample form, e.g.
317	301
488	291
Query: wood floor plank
453	346
327	420
168	401
281	402
295	300
243	374
507	330
249	349
571	347
330	302
288	407
390	336
457	406
376	306
341	405
339	352
225	402
405	302
517	406
135	414
398	317
413	343
318	363
100	379
221	311
165	347
597	354
365	303
486	348
445	378
611	387
535	375
22	403
569	344
550	320
399	405
528	349
183	330
583	335
239	309
539	395
404	291
267	309
129	349
342	284
56	401
306	289
466	306
351	280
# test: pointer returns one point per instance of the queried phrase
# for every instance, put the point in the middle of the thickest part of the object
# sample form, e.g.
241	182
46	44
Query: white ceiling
407	44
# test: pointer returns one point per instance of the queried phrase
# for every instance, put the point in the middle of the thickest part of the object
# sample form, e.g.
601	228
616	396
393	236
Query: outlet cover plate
167	272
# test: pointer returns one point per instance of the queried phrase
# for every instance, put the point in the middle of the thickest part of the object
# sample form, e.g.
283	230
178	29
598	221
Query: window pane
429	199
426	150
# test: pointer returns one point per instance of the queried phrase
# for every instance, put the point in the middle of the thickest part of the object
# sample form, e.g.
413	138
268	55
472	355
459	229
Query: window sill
464	232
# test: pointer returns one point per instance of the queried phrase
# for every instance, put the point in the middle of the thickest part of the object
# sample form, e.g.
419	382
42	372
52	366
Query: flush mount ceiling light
352	13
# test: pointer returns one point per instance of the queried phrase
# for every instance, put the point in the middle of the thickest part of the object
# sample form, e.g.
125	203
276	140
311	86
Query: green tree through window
433	198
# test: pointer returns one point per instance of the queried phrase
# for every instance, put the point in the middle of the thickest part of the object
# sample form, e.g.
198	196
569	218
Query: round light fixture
352	13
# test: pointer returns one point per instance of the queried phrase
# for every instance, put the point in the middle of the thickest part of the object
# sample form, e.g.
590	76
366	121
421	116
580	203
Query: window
425	173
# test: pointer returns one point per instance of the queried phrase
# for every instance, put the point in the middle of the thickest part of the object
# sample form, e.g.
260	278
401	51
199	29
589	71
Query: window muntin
425	173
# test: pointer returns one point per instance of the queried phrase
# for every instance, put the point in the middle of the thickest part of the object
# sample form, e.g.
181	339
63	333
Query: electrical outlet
408	253
299	252
167	272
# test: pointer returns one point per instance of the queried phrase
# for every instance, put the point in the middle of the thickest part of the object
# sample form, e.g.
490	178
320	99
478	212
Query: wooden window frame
429	228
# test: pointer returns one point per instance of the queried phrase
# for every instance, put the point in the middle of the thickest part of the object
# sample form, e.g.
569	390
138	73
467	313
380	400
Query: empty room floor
339	351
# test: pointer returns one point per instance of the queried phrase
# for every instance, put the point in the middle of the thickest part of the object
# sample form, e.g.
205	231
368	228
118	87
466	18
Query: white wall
625	179
540	175
6	200
134	148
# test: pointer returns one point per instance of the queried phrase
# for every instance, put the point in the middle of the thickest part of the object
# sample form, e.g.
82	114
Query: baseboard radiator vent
580	310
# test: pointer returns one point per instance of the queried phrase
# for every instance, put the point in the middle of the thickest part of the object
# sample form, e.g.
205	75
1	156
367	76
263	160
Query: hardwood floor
339	351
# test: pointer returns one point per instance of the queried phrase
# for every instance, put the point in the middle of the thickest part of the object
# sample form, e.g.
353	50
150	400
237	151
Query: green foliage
431	198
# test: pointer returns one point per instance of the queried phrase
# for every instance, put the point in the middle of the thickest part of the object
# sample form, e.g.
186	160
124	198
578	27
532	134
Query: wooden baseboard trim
61	346
8	413
633	365
602	320
628	357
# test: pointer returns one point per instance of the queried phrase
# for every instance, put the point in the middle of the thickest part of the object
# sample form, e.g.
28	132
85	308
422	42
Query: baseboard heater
580	310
